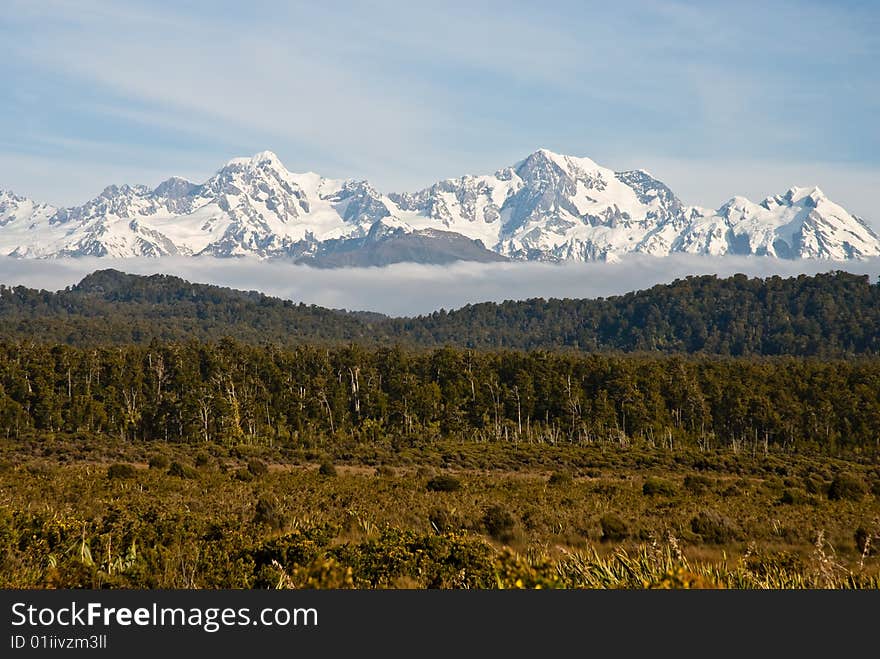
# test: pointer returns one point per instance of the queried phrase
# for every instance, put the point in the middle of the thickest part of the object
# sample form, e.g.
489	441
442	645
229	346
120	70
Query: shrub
768	563
268	513
442	521
120	470
613	528
443	483
866	541
499	523
697	483
657	487
733	490
182	471
793	496
327	468
815	485
846	487
159	461
203	460
385	471
257	468
714	527
774	485
560	478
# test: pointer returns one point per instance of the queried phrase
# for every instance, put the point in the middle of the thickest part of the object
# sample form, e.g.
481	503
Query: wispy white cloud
266	80
408	94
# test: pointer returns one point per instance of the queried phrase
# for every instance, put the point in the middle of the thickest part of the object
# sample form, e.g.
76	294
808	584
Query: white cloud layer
409	289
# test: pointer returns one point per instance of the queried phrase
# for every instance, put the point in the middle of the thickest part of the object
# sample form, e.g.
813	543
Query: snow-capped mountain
546	207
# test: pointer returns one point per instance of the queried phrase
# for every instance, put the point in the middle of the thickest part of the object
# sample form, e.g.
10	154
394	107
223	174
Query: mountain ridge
831	315
545	207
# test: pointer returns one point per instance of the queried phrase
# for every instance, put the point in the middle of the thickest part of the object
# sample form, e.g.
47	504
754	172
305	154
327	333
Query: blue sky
715	99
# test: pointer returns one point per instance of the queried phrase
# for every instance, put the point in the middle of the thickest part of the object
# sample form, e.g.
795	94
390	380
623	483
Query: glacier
547	207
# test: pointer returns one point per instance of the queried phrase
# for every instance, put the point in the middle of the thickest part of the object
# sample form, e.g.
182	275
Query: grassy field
85	511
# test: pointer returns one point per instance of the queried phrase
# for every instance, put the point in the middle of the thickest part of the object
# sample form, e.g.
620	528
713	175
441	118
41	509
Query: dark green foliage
614	528
239	395
815	485
499	523
734	490
697	483
438	561
443	483
159	461
847	487
267	512
765	564
181	470
122	471
867	540
111	307
327	468
828	315
831	314
714	528
658	487
290	550
560	479
793	496
442	520
257	468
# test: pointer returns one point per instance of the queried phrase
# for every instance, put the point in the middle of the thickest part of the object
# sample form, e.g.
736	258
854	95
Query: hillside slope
831	315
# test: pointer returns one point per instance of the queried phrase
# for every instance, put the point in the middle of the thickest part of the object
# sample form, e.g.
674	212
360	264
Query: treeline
233	392
111	307
830	315
827	315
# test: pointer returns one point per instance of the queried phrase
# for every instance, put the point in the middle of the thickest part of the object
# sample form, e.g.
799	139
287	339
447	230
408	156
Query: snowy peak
814	194
544	170
18	210
570	165
800	223
263	159
175	188
547	206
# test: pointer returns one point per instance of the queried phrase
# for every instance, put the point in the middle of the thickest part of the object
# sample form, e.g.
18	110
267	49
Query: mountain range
546	207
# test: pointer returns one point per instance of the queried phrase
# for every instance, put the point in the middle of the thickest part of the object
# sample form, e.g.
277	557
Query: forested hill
834	314
111	307
828	315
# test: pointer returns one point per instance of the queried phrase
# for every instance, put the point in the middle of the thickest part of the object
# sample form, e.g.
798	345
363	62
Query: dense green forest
709	433
836	314
110	307
230	391
827	315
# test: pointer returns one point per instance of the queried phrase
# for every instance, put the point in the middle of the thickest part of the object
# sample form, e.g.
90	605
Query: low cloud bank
409	289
